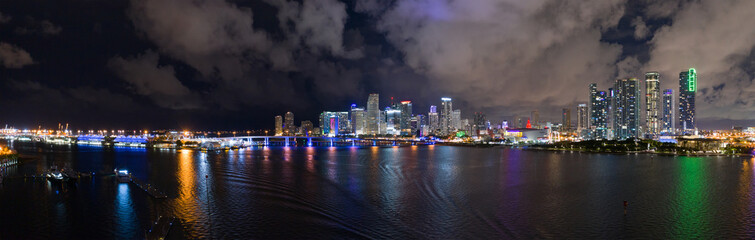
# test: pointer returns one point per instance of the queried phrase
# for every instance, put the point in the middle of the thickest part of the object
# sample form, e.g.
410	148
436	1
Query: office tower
566	119
535	118
668	111
358	120
652	99
330	123
393	120
480	123
289	128
446	113
456	119
406	118
687	89
592	104
599	125
306	128
433	120
278	125
627	110
582	118
382	125
373	114
419	125
344	124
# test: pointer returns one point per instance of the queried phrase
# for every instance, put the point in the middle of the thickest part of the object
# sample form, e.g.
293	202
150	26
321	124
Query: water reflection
691	210
126	224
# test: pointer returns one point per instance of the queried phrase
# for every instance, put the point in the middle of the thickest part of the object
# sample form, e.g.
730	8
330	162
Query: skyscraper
566	119
582	118
687	89
626	122
433	120
456	120
289	128
373	114
357	120
406	118
592	105
329	124
393	120
278	125
446	115
306	128
344	124
652	99
668	111
535	117
480	123
599	125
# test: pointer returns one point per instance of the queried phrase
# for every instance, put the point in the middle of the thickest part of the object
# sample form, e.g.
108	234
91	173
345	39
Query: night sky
223	64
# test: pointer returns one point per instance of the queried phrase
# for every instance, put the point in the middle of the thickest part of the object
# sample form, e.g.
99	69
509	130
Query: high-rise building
592	105
626	123
433	120
668	111
344	123
687	89
566	119
306	128
535	119
582	117
406	118
393	120
278	125
329	124
652	100
456	119
357	121
446	115
373	114
289	128
480	124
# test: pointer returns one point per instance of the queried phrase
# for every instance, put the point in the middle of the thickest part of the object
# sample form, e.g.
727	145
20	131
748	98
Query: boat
54	175
123	176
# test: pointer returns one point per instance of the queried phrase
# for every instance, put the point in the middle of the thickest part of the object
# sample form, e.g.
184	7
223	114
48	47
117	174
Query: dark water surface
425	192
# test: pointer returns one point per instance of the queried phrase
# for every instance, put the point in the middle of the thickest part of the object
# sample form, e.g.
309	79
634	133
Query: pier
152	191
160	228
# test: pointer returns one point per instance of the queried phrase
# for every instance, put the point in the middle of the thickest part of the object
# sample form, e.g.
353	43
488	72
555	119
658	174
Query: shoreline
531	148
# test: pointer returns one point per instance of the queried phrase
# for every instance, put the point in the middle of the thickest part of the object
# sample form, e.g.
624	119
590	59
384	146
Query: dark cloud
39	27
146	77
12	56
4	18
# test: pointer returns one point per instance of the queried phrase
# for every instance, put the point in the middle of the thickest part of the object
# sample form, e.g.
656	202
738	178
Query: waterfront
428	192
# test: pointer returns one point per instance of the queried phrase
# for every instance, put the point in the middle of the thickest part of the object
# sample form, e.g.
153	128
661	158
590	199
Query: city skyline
117	59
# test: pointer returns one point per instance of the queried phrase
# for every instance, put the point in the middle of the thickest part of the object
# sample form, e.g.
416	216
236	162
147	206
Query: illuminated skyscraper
278	125
566	119
582	118
456	120
599	125
329	124
406	118
535	117
593	105
480	123
357	120
652	99
393	120
668	111
446	115
626	112
306	128
687	89
289	128
344	124
433	120
373	114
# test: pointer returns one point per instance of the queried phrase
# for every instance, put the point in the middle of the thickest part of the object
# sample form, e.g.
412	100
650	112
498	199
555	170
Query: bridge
318	141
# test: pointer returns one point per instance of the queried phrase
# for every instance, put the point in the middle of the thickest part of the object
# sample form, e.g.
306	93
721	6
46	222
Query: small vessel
55	175
123	176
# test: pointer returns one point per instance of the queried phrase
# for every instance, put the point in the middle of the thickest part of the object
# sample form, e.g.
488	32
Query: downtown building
668	113
279	125
652	104
598	109
582	118
433	121
626	109
289	128
372	121
687	90
358	120
446	116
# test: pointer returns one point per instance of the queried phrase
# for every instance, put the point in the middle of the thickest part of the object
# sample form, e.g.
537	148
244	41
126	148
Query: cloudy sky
233	64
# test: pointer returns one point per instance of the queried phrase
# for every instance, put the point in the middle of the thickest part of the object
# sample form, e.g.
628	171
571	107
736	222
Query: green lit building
687	89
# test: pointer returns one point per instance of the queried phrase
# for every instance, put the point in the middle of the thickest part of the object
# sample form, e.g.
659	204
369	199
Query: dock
152	191
160	228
